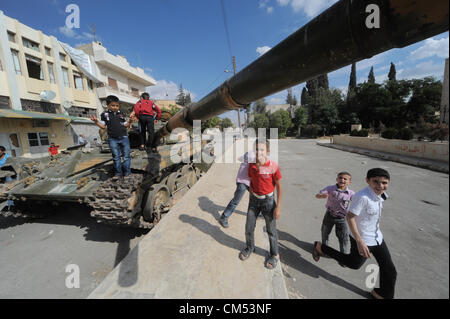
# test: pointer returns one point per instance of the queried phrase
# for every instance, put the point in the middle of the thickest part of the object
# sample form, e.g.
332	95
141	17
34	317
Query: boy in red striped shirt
264	177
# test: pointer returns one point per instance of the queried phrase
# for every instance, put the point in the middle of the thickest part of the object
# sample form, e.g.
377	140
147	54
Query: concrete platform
189	255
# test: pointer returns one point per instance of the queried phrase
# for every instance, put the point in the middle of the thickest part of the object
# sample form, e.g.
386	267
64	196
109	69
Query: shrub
405	134
311	130
389	133
363	132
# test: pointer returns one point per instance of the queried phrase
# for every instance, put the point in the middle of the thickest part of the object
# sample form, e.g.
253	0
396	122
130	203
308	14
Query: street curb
428	164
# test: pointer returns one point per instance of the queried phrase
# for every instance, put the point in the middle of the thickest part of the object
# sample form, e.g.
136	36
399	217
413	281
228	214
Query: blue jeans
266	207
341	231
121	147
238	194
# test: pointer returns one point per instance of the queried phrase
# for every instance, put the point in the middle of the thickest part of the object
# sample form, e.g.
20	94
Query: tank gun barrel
339	36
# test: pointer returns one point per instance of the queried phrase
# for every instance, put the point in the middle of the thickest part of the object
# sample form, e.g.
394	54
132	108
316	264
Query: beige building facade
45	97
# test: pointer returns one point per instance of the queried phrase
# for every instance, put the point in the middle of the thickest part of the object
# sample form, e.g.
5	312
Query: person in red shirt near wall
148	114
53	150
264	177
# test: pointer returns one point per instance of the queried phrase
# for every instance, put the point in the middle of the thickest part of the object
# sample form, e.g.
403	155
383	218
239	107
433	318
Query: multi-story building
45	97
117	76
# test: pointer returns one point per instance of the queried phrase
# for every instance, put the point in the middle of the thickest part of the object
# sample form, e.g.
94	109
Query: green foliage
392	73
281	120
261	121
425	100
290	98
363	132
439	131
226	122
371	77
173	109
389	133
181	98
300	117
211	123
187	99
311	130
405	134
304	96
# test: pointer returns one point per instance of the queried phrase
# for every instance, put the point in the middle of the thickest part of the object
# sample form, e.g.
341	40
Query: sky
188	43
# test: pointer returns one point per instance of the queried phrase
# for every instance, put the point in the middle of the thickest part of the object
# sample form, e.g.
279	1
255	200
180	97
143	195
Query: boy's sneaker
224	222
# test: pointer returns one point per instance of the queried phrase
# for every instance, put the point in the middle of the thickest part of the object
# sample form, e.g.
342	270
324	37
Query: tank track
117	202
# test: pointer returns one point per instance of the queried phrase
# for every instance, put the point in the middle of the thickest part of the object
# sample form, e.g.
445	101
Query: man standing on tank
148	114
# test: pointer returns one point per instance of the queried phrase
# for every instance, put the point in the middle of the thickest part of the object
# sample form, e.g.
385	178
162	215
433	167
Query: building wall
57	131
428	150
30	88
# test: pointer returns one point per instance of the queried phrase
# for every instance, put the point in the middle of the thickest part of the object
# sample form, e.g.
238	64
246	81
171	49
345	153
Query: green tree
181	98
425	100
352	82
260	121
187	99
281	119
371	77
370	103
304	96
211	123
290	98
392	73
300	119
226	122
322	81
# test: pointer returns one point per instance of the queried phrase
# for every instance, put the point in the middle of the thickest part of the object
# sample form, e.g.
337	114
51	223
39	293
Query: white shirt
367	207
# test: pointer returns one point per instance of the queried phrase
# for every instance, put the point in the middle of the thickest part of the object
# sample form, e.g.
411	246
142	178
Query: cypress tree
371	78
181	98
303	96
392	73
322	81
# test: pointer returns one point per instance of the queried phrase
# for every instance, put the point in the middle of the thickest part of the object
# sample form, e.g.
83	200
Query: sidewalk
189	255
419	162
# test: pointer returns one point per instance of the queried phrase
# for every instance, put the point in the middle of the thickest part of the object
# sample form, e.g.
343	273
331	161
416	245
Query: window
62	57
15	56
73	63
12	37
135	92
66	77
90	85
40	123
50	72
38	142
78	80
48	51
30	44
112	83
34	67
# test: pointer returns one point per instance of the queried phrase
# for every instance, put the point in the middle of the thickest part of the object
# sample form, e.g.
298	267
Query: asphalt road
35	254
414	222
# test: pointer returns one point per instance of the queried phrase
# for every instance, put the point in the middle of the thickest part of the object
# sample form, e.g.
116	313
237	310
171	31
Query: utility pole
239	110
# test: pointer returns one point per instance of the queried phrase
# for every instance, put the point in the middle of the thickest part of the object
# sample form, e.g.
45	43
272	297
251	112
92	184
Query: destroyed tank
347	32
85	176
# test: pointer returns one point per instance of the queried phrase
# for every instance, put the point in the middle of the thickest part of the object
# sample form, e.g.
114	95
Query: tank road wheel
157	199
171	182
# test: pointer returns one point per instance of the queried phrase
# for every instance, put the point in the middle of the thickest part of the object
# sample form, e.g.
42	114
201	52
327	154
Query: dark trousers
266	207
341	229
146	123
388	273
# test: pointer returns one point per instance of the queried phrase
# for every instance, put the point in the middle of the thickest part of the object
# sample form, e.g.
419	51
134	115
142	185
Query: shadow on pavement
217	233
209	206
295	260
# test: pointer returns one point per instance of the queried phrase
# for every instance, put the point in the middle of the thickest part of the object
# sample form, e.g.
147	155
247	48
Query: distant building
166	103
444	99
42	89
286	107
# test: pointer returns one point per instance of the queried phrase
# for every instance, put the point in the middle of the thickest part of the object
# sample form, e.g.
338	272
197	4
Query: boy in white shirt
366	238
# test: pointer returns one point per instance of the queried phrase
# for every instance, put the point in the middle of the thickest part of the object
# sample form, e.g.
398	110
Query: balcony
104	90
120	64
